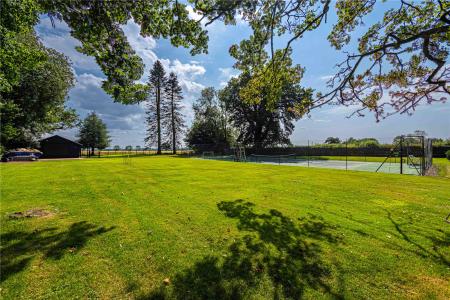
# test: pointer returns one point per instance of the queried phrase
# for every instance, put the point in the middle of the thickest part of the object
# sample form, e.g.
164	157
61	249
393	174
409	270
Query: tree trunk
257	138
158	117
174	147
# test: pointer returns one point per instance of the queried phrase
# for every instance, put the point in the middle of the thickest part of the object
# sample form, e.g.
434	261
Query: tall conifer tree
172	117
157	81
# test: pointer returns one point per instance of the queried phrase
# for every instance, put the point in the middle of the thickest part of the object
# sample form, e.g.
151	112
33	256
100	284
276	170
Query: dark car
21	155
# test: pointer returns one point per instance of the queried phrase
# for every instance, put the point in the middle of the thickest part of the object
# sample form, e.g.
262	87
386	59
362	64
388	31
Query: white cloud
240	19
88	96
326	77
321	120
142	45
186	71
193	14
339	109
86	81
59	38
226	74
191	86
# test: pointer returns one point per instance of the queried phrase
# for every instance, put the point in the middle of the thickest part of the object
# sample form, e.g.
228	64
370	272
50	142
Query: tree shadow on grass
438	243
19	247
279	257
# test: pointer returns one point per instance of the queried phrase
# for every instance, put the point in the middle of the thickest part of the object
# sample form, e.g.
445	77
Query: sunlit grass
221	230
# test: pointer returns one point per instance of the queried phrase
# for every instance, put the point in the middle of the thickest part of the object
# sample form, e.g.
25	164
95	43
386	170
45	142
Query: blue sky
126	122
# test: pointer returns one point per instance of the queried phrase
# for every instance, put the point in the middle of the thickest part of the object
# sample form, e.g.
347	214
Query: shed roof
60	137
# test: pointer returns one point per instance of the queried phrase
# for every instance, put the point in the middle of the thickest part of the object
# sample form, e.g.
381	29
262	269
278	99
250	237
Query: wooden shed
58	147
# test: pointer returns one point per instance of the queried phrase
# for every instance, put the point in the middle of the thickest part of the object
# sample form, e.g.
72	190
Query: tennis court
296	161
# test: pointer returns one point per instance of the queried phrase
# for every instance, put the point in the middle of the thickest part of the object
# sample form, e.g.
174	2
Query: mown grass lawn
221	230
443	166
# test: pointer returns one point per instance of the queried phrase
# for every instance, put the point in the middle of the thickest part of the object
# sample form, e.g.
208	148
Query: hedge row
382	151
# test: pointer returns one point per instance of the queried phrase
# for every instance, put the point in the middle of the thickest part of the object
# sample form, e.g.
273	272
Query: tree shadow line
437	242
439	239
18	248
278	256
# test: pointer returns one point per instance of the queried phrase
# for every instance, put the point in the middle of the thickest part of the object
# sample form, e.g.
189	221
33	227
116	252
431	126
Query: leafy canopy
400	61
32	101
97	25
209	128
266	120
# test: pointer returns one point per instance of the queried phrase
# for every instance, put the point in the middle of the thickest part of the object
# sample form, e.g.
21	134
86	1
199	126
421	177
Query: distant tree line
373	142
364	142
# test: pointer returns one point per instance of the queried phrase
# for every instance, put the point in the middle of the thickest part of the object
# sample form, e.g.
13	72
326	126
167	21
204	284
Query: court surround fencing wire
414	157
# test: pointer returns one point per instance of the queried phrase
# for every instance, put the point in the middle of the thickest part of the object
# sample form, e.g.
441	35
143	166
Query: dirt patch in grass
31	213
428	286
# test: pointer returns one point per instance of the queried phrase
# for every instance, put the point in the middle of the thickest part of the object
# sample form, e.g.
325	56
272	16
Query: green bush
447	154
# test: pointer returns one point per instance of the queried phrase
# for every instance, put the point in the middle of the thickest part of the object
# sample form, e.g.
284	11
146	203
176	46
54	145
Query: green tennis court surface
290	160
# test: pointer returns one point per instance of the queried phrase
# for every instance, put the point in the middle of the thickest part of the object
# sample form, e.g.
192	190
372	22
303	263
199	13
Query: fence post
307	153
346	155
423	156
401	155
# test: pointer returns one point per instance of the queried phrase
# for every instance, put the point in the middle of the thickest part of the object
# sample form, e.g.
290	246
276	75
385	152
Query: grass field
443	166
216	229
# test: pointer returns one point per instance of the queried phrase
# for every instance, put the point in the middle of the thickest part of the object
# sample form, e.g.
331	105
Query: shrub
369	144
447	154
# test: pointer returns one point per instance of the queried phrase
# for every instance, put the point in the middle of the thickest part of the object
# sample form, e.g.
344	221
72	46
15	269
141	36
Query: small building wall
59	147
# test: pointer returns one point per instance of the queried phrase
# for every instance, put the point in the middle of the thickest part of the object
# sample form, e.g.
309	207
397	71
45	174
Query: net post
307	153
401	155
423	156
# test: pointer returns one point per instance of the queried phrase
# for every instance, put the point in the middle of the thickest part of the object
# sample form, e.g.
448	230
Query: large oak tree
262	102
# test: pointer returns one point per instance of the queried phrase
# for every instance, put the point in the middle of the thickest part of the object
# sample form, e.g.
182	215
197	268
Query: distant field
118	228
111	153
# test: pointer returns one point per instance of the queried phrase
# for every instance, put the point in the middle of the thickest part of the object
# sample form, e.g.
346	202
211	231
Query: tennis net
285	158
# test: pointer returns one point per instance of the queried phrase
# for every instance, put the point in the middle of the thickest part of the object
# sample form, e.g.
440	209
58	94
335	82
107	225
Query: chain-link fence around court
412	156
408	155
